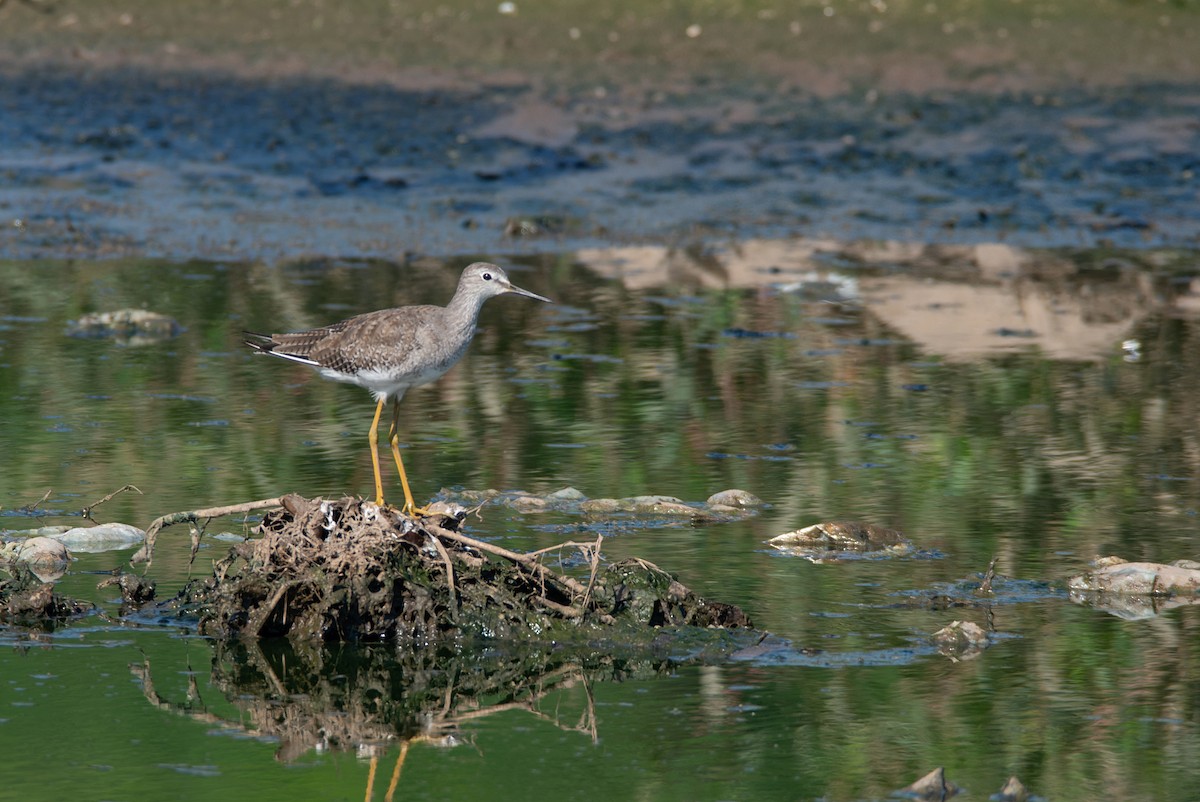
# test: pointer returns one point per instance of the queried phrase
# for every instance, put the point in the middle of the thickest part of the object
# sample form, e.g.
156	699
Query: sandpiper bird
393	350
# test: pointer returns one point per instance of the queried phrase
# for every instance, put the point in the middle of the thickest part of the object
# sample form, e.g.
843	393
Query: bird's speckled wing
384	340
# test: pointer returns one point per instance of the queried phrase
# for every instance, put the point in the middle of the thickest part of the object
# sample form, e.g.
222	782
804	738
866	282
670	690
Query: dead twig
566	611
146	553
986	585
196	533
449	577
29	508
595	565
87	511
590	552
523	560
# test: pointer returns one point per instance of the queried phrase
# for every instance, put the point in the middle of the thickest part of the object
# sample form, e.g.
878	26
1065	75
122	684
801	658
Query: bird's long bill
528	294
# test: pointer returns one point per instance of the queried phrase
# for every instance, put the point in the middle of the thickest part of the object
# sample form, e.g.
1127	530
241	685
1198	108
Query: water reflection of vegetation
1026	455
317	697
1091	708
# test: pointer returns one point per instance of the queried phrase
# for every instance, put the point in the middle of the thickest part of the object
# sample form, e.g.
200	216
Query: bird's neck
464	309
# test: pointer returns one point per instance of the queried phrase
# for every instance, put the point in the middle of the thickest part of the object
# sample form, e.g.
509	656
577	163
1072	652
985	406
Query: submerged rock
933	787
961	640
1013	791
739	499
727	505
101	537
641	505
45	557
565	494
37	551
600	506
825	540
1114	576
127	326
88	539
525	503
1137	590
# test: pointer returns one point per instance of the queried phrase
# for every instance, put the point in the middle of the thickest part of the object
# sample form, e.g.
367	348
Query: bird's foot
413	511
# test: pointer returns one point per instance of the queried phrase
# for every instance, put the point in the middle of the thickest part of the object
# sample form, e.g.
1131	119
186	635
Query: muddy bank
131	161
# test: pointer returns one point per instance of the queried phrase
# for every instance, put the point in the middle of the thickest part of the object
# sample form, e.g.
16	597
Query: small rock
634	502
102	537
960	632
933	787
661	506
129	326
734	498
961	639
565	494
42	531
528	504
45	557
842	536
1137	579
1013	791
600	506
38	551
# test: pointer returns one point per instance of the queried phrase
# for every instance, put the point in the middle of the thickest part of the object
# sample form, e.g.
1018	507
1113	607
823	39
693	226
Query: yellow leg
391	789
373	437
410	506
371	777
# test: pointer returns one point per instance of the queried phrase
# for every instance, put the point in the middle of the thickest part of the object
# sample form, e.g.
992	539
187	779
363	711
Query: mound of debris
27	601
349	570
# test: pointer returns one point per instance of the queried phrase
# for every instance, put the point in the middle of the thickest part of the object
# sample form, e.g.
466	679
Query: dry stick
34	505
87	511
273	602
564	610
583	547
449	576
590	552
520	559
197	534
194	516
595	560
986	585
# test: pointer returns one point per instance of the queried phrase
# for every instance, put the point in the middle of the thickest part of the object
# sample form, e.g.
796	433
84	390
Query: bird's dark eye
487	276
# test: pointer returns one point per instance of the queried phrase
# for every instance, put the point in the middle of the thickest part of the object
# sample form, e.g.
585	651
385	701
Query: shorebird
393	350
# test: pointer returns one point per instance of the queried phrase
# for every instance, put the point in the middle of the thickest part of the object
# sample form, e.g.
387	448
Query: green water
631	385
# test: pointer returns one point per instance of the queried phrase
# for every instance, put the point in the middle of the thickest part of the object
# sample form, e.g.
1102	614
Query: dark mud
127	160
